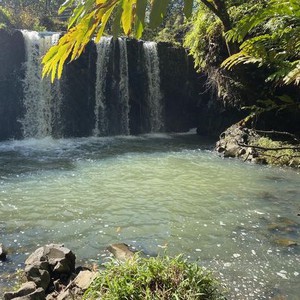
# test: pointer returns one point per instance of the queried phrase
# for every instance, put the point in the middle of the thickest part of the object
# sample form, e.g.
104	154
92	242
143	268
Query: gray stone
58	258
121	251
84	279
40	276
36	257
61	258
25	289
38	294
3	252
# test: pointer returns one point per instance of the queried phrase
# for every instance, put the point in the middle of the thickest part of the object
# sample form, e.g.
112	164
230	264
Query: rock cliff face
12	56
139	88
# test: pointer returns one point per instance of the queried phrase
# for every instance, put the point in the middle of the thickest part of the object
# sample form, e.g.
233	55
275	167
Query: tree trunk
218	7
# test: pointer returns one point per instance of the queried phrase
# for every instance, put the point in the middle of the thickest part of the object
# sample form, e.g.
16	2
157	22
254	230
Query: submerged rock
120	251
285	242
3	252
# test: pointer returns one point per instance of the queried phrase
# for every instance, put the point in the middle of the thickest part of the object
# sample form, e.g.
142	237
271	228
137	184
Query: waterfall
154	96
101	119
39	94
123	87
112	91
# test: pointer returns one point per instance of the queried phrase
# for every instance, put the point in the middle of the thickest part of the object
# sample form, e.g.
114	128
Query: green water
158	193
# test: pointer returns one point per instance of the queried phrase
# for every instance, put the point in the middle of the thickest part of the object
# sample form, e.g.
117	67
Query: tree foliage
90	18
30	14
270	38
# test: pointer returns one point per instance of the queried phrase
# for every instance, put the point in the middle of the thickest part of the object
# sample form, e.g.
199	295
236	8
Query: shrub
284	157
153	278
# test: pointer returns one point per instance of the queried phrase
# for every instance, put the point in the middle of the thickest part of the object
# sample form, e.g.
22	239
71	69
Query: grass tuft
153	278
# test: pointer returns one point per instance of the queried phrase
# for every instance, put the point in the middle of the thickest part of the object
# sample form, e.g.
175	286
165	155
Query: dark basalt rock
3	252
51	274
12	57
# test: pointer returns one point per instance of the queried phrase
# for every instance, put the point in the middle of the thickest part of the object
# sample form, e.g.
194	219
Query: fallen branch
279	133
267	148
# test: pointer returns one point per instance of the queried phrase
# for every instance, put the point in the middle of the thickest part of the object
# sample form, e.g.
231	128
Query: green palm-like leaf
188	8
279	49
159	8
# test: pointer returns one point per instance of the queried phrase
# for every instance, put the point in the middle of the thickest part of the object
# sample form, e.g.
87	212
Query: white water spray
123	87
101	119
38	99
154	96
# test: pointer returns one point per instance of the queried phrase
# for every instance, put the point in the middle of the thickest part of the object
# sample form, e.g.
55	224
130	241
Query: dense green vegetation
250	50
31	15
153	278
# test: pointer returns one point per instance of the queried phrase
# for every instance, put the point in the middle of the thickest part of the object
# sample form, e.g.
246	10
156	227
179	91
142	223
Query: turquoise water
158	193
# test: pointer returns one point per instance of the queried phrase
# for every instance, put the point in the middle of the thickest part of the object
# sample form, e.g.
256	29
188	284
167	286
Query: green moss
153	278
284	157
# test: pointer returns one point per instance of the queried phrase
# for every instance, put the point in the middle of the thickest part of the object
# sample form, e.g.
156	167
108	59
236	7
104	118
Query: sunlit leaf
140	18
158	10
127	15
188	8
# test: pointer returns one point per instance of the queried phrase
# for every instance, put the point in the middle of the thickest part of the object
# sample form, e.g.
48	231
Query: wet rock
234	142
50	272
3	252
284	225
25	290
121	251
285	242
59	258
38	275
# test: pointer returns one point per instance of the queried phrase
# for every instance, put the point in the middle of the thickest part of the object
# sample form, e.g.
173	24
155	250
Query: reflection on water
155	192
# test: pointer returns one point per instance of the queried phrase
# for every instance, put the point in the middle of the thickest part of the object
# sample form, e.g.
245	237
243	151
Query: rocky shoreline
50	273
263	147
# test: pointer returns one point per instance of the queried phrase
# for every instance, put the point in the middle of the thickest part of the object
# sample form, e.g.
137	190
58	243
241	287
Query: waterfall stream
44	113
123	87
41	99
154	97
101	120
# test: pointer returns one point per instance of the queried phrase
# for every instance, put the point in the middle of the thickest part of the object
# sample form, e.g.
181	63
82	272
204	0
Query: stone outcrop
235	142
51	274
12	57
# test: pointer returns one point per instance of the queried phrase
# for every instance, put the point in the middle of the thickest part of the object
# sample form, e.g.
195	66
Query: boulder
3	252
59	258
39	275
84	279
121	251
234	142
25	290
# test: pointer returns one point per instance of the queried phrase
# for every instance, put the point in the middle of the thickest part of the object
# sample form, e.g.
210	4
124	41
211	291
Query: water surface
158	193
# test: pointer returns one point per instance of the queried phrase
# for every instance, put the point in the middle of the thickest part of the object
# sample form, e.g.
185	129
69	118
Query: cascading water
101	119
154	96
41	99
112	91
123	87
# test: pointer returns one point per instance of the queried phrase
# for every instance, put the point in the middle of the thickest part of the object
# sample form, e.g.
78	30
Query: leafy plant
153	278
276	46
283	154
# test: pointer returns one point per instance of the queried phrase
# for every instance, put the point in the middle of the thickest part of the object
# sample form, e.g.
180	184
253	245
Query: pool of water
158	193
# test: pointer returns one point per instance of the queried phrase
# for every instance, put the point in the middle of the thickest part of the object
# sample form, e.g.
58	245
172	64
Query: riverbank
258	146
50	273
